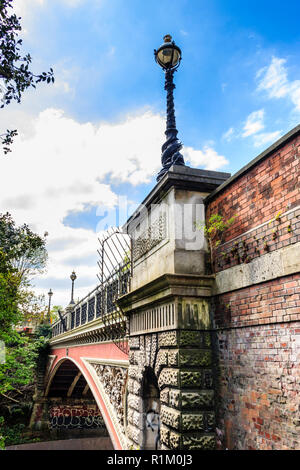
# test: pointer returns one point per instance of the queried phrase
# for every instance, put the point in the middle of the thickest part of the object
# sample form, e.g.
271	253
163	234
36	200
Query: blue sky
96	134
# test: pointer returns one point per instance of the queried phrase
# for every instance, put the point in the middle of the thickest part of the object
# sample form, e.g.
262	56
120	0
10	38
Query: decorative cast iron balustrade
101	303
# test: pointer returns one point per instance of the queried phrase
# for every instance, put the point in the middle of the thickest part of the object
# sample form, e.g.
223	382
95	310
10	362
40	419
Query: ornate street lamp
73	277
168	56
50	293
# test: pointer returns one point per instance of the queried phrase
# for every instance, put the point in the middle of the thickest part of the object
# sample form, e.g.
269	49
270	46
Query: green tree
54	316
25	251
32	306
14	66
22	253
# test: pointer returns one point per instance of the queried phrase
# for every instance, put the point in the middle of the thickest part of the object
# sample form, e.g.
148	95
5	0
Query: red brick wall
269	302
258	327
259	387
258	195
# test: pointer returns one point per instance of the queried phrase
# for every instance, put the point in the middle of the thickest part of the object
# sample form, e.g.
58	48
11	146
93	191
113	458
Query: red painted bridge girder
77	354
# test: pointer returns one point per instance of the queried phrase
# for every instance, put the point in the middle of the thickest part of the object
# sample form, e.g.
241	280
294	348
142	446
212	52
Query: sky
94	137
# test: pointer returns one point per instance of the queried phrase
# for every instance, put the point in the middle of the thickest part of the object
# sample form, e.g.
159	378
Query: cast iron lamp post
50	293
72	277
168	56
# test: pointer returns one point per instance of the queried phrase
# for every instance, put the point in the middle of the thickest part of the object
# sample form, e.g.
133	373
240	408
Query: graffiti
72	417
153	422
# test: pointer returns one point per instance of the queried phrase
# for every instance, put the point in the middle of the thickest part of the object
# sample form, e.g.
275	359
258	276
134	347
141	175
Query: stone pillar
172	337
170	316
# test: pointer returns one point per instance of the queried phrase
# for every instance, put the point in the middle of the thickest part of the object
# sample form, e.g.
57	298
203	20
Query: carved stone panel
113	379
151	237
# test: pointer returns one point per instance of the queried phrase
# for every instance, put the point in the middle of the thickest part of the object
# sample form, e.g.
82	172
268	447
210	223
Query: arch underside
70	380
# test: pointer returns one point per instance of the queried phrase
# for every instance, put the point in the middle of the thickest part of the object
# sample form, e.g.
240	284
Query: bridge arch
70	378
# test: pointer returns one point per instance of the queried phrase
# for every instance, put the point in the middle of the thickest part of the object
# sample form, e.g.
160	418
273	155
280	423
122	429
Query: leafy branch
14	67
214	230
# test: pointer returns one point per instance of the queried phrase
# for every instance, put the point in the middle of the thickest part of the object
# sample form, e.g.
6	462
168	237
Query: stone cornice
167	286
92	332
181	177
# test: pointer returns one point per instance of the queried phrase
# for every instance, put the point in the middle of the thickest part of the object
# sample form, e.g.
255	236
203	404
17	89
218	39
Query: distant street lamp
168	56
73	277
50	293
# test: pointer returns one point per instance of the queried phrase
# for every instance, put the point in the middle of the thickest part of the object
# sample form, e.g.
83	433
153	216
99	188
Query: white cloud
274	80
59	165
229	134
22	7
207	158
254	123
72	3
266	137
26	9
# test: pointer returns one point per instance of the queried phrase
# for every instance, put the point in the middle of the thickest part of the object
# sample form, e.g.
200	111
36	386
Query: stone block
190	338
130	415
168	377
130	385
164	396
164	435
192	422
138	419
195	358
134	402
190	379
207	379
174	398
170	417
131	358
173	358
134	434
134	372
174	440
194	314
207	339
209	421
161	360
137	387
201	399
168	338
134	342
197	441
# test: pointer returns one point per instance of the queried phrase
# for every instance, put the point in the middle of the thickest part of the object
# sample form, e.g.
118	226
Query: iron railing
101	303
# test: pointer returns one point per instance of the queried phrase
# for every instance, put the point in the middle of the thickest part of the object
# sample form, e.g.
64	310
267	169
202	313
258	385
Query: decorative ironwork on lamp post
73	277
50	293
168	56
